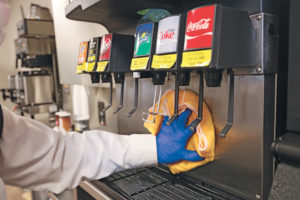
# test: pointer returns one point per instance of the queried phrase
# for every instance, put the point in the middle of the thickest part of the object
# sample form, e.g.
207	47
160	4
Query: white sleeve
34	156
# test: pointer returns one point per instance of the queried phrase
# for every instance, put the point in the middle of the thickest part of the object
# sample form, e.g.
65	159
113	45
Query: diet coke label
168	34
199	28
105	47
168	29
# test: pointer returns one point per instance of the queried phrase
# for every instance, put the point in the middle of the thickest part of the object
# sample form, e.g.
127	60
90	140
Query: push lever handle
121	98
110	96
175	115
200	103
230	107
136	96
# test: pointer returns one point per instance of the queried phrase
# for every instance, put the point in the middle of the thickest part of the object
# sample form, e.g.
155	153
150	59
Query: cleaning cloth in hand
202	141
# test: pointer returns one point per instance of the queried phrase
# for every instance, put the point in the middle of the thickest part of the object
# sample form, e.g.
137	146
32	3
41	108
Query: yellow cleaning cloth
202	141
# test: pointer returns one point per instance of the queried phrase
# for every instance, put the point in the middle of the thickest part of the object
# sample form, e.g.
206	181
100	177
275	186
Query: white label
167	35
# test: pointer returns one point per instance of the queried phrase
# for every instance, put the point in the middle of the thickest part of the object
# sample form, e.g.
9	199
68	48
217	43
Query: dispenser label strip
79	69
163	61
90	66
200	58
101	66
139	63
91	58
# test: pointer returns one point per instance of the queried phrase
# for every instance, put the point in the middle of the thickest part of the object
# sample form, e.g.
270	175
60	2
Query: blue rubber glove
171	141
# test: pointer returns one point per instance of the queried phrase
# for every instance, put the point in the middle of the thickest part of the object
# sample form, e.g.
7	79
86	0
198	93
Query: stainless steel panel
239	166
32	110
29	27
38	89
34	46
94	191
11	82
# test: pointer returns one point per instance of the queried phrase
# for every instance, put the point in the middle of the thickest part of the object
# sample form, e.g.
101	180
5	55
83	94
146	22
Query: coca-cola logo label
105	47
202	24
199	28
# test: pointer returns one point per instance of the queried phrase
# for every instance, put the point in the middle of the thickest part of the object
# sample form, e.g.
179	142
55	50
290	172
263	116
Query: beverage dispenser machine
210	49
115	56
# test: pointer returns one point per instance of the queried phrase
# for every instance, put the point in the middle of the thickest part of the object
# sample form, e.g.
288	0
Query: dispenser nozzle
136	96
155	112
229	124
200	103
175	115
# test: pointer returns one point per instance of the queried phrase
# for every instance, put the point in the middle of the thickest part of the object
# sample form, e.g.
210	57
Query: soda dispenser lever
110	96
136	96
200	103
229	124
121	78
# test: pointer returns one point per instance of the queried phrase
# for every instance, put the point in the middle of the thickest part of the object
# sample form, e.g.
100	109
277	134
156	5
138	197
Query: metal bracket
267	36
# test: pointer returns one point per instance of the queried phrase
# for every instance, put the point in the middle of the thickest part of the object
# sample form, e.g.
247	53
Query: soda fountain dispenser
115	57
144	48
218	38
168	53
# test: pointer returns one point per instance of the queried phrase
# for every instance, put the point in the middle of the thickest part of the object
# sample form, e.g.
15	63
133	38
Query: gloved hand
171	141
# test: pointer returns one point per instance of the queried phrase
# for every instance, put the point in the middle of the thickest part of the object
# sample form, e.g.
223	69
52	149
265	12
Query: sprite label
143	40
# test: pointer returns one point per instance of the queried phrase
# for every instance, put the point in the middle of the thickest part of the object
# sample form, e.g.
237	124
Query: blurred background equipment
35	88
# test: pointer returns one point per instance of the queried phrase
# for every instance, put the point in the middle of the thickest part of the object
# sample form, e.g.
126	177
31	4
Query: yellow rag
202	141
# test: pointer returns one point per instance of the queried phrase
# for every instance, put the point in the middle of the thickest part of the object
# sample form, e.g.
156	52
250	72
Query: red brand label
199	28
105	47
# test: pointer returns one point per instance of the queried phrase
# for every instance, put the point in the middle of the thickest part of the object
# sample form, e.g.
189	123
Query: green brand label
143	40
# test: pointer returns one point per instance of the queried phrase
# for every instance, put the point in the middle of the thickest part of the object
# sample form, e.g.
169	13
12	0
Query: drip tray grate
159	183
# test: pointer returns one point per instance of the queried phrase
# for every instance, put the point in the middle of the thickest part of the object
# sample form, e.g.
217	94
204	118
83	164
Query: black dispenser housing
115	57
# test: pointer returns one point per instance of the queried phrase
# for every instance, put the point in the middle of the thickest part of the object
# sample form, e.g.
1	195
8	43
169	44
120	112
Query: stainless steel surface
94	191
19	82
52	196
34	46
38	89
239	165
11	81
36	109
28	28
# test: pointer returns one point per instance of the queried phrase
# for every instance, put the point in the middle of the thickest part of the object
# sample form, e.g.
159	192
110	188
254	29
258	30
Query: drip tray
159	183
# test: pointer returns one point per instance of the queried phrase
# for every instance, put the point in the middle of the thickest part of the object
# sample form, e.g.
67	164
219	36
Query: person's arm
35	156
